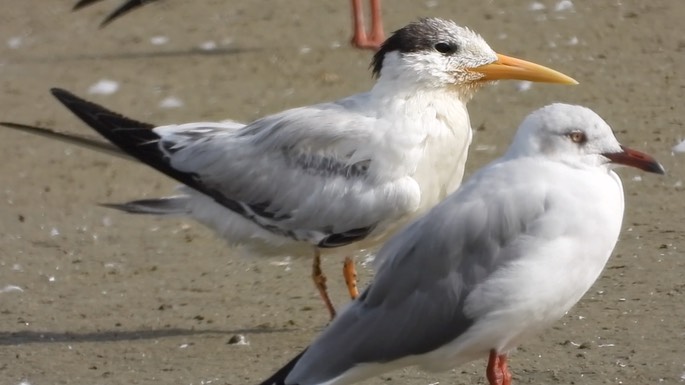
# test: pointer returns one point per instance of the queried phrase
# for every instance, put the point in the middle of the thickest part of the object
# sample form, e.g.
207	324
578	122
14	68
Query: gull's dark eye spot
577	137
445	48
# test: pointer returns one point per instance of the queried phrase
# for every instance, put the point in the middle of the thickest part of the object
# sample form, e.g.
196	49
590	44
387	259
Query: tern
338	176
360	39
499	260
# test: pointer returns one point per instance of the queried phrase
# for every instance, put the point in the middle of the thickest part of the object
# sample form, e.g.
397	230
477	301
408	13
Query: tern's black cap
420	35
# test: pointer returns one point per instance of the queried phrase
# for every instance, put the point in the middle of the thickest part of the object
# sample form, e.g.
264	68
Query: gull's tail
279	377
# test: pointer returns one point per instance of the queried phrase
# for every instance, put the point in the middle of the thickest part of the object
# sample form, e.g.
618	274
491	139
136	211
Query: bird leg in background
320	282
350	274
498	369
360	38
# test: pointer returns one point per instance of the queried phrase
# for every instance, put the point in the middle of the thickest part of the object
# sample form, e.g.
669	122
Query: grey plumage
500	259
418	275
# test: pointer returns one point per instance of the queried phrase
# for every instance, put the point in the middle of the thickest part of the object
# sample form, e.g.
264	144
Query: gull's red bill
637	159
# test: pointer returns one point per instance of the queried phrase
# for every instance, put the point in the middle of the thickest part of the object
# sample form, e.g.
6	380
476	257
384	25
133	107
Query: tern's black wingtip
8	124
19	126
65	97
59	92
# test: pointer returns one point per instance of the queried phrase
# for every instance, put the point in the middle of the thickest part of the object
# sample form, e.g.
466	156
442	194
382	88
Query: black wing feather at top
83	3
125	8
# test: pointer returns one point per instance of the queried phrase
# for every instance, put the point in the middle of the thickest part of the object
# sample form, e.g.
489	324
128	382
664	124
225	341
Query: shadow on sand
29	337
138	55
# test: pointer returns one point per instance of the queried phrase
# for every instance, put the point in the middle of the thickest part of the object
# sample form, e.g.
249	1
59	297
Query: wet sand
108	298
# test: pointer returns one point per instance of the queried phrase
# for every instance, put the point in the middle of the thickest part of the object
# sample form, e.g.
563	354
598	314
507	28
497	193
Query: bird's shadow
141	55
30	337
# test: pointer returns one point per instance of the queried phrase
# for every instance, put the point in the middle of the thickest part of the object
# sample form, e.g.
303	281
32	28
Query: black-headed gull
360	39
339	176
506	255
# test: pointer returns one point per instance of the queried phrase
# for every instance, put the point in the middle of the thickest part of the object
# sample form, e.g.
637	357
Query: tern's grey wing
415	303
311	173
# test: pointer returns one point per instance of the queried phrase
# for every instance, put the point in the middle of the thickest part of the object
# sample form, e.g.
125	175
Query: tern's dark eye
577	137
445	48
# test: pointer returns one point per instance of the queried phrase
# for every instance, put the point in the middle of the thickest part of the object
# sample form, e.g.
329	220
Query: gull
360	39
506	255
338	176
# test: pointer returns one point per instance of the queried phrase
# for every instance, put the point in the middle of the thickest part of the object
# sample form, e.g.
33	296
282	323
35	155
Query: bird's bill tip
507	67
637	159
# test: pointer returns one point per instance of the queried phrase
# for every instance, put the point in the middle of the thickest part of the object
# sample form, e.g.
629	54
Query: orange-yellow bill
507	67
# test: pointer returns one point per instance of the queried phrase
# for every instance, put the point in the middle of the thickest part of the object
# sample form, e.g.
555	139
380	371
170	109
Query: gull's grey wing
78	140
415	303
123	9
296	174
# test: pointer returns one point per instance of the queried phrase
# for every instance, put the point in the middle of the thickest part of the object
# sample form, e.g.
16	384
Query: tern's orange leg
350	274
360	38
498	369
320	282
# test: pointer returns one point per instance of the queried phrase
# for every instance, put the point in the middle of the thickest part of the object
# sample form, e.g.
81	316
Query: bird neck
400	79
387	88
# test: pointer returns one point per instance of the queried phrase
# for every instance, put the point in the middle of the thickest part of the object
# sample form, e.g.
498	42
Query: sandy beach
93	296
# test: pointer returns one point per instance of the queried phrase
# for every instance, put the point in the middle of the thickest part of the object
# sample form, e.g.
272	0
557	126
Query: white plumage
339	176
506	255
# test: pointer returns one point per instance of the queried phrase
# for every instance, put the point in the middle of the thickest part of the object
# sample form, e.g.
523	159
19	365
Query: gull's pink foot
498	369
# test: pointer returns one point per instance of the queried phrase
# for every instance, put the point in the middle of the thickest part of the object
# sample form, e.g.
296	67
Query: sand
107	298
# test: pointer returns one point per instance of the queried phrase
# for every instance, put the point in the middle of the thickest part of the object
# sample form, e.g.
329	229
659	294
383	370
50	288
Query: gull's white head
439	53
577	136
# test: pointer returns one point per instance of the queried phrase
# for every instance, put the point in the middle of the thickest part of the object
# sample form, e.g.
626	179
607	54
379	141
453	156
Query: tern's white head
437	53
577	136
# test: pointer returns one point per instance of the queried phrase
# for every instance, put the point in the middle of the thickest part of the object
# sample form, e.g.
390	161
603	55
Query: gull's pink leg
498	372
493	374
504	369
360	38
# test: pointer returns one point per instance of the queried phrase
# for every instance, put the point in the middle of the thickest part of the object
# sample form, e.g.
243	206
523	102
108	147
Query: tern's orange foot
320	283
350	274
